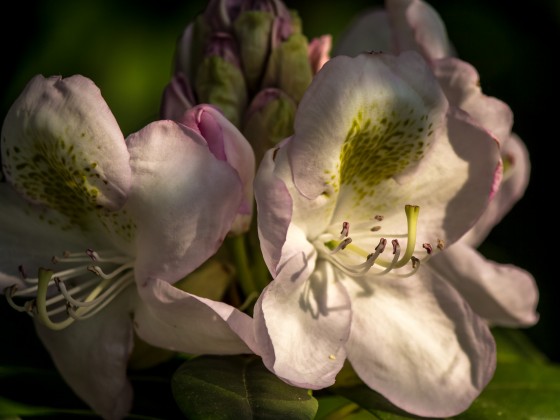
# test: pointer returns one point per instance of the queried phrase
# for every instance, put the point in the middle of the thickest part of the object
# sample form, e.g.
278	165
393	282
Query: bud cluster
250	59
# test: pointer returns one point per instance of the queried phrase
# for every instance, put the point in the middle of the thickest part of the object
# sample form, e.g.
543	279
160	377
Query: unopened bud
269	119
219	79
289	68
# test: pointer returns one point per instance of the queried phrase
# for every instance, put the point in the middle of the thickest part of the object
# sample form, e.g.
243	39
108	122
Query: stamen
9	292
440	244
342	245
381	246
415	267
375	228
79	296
427	247
379	218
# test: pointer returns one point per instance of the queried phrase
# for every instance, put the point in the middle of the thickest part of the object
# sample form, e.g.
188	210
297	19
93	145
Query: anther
343	244
92	254
379	218
375	228
345	230
54	260
22	272
66	254
428	248
396	246
440	244
381	245
415	261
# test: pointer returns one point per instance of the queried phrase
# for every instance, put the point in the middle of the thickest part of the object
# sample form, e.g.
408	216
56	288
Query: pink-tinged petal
274	211
319	52
370	31
227	143
92	356
177	98
170	318
349	108
183	200
503	294
461	84
418	343
62	147
22	224
514	183
418	27
302	321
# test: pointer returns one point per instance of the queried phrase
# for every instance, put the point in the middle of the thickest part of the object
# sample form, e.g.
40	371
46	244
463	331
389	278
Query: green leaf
520	391
237	387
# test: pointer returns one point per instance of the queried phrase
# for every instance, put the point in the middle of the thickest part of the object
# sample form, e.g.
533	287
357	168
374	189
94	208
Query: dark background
127	49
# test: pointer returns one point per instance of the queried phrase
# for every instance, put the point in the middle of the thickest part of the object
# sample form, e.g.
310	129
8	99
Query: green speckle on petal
54	174
380	144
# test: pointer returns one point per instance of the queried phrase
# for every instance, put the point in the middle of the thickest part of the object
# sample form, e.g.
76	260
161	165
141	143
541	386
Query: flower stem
244	273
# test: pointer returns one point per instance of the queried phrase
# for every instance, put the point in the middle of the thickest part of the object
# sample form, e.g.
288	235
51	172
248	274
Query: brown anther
54	260
375	228
427	247
440	244
22	272
345	243
66	254
415	261
381	245
90	253
57	282
345	229
396	246
378	217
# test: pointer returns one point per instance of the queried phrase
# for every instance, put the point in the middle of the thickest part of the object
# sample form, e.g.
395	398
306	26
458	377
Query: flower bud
269	119
177	98
219	79
227	143
289	68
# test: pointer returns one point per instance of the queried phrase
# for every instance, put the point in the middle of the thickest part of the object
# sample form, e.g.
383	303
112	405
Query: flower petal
92	356
503	294
170	318
22	224
319	52
363	104
370	31
302	320
62	147
418	343
227	143
512	188
461	84
193	196
418	27
274	211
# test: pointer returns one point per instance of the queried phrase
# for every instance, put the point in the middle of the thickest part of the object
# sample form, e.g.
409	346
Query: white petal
302	321
503	294
30	236
62	147
92	356
170	318
183	200
416	342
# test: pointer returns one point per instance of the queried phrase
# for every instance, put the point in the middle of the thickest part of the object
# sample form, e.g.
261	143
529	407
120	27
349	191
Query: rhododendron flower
380	175
501	293
95	229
